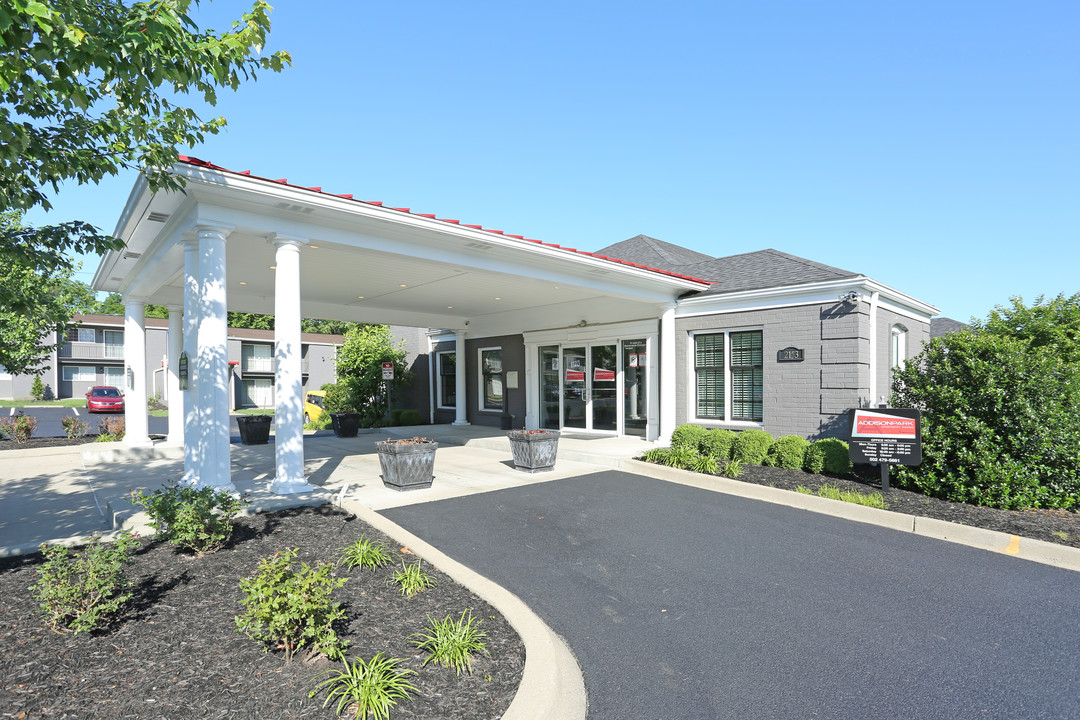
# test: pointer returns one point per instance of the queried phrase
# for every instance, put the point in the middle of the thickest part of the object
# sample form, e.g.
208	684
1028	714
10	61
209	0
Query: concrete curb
1038	551
552	686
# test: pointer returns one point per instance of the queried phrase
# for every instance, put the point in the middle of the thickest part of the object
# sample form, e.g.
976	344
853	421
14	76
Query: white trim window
85	335
729	376
80	373
491	378
447	378
897	351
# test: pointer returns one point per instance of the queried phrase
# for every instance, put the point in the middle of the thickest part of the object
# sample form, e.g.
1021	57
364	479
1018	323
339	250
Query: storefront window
491	385
732	359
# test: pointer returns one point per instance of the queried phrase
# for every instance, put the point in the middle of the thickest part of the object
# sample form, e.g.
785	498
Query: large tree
26	339
89	88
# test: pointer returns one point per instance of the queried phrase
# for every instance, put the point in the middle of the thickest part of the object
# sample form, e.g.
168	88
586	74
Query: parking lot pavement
49	419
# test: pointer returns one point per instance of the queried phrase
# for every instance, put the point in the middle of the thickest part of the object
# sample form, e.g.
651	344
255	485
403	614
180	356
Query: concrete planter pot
254	429
345	424
534	451
407	465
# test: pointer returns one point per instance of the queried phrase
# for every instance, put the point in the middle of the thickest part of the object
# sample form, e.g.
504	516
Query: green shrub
681	458
749	446
705	464
408	417
111	429
19	428
412	579
732	469
74	427
196	519
292	609
788	451
363	687
452	642
339	398
1000	422
687	437
366	553
717	443
830	455
37	389
83	591
657	456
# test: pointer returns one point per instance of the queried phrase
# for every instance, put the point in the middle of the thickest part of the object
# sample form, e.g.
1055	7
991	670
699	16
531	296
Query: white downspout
873	347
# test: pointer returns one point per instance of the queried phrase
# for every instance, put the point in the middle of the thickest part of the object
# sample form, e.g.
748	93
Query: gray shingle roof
747	271
943	326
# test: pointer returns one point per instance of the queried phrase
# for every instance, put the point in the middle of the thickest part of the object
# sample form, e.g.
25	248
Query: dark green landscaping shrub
788	451
197	519
1001	421
687	437
830	455
292	609
83	591
750	446
406	417
717	444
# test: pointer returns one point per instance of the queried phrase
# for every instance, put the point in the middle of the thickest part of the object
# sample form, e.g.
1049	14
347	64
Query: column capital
211	228
174	308
278	240
133	300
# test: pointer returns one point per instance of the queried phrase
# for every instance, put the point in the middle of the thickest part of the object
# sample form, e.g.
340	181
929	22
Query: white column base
291	487
138	441
461	422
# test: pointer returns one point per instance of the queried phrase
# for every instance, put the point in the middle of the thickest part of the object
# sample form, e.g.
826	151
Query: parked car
104	399
313	405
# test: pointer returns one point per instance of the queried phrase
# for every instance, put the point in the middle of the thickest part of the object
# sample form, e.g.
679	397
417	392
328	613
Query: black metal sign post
886	436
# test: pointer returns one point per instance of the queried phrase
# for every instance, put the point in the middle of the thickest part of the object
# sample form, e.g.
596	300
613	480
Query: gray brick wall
918	335
808	398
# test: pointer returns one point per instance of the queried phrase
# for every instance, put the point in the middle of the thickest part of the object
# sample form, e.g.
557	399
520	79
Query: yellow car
313	405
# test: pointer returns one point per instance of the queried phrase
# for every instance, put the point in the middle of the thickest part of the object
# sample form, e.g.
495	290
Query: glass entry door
575	397
603	364
635	396
549	387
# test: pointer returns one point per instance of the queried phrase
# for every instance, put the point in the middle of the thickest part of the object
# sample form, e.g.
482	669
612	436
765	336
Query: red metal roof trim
196	162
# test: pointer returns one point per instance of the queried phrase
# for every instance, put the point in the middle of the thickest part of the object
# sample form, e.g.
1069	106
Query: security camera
850	298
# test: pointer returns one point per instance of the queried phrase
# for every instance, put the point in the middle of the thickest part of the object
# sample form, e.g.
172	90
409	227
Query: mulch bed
1036	524
175	653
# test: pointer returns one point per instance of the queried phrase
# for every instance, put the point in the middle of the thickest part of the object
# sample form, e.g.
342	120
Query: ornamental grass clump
363	687
292	609
196	519
84	590
412	579
366	553
452	643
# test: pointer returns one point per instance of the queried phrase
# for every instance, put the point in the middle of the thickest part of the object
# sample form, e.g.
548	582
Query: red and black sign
887	436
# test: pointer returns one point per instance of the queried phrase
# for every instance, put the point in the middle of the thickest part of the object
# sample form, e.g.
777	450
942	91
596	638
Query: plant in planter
408	463
534	450
342	405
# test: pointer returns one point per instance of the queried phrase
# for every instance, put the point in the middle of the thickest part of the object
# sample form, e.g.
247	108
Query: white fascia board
809	294
214	181
136	197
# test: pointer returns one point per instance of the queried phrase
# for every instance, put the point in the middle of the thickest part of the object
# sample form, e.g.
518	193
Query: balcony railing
91	351
265	365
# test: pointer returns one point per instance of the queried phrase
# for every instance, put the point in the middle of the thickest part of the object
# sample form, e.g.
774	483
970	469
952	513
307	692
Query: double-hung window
491	379
729	376
447	379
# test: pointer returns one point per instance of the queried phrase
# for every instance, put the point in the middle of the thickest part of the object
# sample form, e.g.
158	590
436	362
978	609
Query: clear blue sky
932	146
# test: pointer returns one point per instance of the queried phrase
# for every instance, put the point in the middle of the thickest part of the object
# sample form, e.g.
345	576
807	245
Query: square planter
254	429
345	424
407	466
534	450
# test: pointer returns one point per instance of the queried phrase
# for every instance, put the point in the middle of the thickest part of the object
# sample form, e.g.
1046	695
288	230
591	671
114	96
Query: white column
193	429
460	401
174	397
667	374
213	359
136	423
288	379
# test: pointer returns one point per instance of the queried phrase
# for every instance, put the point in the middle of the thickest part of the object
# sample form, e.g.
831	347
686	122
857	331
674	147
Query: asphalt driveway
684	603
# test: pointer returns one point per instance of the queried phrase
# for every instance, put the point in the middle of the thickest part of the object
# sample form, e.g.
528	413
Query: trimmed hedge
750	446
687	437
829	455
788	451
717	444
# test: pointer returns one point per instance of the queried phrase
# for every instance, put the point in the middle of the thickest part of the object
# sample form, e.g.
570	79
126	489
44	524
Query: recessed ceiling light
449	307
498	298
313	247
359	297
403	285
273	267
243	283
556	287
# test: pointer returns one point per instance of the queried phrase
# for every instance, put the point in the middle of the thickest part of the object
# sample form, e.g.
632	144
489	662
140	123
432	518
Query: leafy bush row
725	452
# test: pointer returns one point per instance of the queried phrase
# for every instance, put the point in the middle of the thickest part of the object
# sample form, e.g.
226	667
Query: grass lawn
69	402
254	411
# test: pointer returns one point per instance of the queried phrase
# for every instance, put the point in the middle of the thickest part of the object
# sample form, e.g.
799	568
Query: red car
104	399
